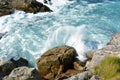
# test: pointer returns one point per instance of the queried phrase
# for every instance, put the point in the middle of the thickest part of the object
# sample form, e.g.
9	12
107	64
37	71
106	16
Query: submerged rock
2	34
57	62
23	73
31	6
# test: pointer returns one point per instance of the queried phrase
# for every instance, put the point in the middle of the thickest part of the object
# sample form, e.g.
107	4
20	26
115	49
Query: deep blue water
85	25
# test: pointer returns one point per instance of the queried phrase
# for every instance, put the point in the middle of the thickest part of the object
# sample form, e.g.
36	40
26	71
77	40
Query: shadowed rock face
7	67
31	6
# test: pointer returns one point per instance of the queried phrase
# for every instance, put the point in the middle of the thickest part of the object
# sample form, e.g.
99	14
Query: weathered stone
31	6
23	73
112	48
96	77
7	66
115	40
77	66
81	76
56	61
89	55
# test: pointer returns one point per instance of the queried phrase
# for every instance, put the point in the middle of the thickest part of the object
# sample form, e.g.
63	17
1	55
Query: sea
83	24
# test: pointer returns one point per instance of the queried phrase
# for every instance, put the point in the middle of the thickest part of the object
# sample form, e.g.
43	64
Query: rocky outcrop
58	62
7	67
112	48
23	73
31	6
81	76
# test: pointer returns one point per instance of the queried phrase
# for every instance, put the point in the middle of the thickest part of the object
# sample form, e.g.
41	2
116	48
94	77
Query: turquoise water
85	25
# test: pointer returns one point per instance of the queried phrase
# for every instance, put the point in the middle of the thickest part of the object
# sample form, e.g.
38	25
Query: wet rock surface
31	6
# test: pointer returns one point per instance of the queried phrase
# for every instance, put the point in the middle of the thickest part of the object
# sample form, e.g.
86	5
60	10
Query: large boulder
32	6
56	62
23	73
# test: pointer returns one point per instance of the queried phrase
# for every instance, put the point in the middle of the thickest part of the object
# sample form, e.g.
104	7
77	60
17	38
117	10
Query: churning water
85	25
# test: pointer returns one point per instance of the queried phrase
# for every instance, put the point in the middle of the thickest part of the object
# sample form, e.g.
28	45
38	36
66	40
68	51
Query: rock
20	62
7	67
56	61
31	6
112	48
98	57
115	40
23	73
89	55
2	34
96	77
81	76
47	2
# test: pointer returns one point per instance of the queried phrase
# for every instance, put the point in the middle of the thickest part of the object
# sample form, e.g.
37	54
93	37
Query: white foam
71	36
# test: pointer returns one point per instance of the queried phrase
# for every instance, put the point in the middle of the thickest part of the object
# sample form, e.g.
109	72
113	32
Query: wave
75	23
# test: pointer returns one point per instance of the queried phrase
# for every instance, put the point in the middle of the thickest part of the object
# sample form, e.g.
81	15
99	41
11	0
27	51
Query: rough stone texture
32	6
7	67
89	55
55	62
23	73
81	76
115	40
96	77
112	48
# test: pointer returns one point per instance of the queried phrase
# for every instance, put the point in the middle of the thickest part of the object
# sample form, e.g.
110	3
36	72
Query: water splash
79	24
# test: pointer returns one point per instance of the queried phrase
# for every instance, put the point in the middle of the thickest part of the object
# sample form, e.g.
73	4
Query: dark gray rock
8	66
20	62
2	34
